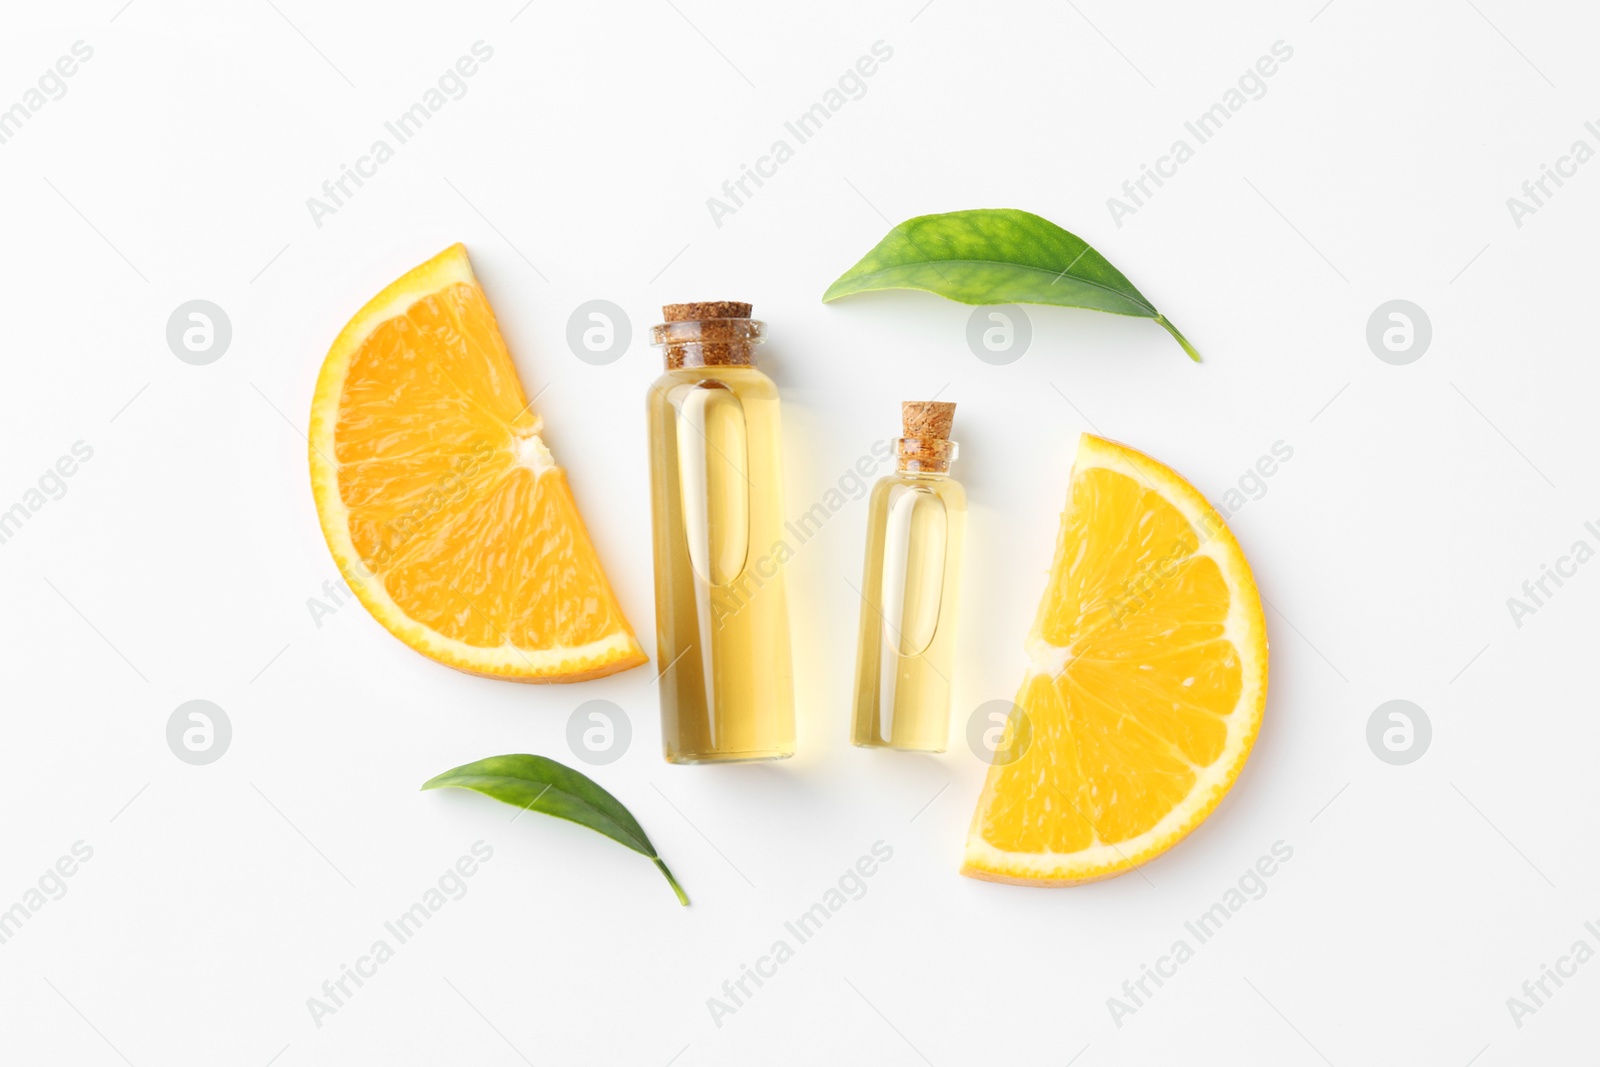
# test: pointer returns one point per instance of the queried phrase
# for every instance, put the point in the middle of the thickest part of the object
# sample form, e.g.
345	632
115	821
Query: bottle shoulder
893	484
746	381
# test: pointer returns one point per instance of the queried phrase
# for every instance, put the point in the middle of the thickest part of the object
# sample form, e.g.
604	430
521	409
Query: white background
180	562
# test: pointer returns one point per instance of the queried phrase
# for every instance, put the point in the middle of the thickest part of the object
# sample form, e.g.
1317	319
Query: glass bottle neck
924	456
708	342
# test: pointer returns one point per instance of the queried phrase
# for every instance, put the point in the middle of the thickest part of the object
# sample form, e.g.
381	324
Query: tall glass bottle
909	586
722	619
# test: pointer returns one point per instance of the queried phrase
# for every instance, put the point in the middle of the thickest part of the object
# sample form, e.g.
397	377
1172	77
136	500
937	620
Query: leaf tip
683	898
1188	348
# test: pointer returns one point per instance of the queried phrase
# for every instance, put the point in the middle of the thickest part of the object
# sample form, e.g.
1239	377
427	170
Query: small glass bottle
916	523
722	618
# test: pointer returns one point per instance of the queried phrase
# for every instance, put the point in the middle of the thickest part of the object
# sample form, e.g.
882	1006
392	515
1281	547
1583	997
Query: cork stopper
927	418
926	446
708	333
706	309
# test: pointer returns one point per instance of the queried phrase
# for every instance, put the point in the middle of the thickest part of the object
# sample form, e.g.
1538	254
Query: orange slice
1146	682
441	505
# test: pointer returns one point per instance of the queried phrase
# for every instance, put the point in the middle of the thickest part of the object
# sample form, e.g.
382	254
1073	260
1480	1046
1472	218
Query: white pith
530	451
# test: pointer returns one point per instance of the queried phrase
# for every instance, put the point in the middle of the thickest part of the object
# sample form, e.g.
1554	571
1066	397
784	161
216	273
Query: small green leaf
998	256
543	785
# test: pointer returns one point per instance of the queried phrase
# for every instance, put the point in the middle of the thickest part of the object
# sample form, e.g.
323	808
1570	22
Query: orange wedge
1146	682
443	508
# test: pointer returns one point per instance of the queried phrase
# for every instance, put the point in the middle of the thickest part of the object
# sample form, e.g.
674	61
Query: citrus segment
1146	683
443	508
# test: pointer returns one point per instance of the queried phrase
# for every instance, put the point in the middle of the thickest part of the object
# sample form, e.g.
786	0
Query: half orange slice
443	508
1146	684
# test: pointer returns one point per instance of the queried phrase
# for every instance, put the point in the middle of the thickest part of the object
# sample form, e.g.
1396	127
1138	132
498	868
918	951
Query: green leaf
534	783
998	256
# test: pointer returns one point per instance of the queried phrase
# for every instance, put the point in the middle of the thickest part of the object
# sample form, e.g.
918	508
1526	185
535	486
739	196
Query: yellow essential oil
722	619
909	587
